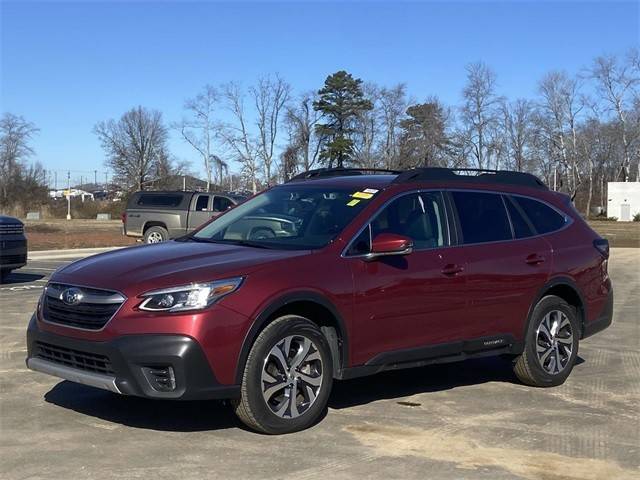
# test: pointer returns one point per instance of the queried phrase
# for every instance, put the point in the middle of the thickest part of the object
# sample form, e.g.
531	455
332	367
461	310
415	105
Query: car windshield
288	217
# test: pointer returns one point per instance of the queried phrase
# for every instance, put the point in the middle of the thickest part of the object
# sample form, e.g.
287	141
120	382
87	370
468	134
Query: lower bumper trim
97	380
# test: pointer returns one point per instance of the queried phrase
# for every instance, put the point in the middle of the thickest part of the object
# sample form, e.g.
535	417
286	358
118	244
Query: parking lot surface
457	421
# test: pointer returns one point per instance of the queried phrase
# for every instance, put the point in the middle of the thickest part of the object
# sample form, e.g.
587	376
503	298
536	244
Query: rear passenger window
202	203
220	204
544	218
156	200
521	226
482	216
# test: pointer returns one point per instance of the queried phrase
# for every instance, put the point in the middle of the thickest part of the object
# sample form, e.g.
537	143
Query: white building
623	200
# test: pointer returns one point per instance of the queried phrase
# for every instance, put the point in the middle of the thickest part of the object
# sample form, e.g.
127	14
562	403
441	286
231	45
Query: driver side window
419	216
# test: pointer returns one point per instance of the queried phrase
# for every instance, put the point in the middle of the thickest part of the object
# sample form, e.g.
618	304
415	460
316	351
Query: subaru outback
336	274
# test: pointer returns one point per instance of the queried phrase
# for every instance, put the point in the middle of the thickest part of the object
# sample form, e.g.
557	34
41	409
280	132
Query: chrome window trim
567	218
62	325
383	206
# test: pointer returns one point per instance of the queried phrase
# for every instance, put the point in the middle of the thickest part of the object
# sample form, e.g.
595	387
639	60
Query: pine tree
340	101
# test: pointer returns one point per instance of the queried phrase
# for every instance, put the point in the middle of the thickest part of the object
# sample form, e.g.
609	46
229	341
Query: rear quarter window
544	218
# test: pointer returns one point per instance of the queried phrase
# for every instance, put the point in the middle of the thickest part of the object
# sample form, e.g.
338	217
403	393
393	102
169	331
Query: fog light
162	378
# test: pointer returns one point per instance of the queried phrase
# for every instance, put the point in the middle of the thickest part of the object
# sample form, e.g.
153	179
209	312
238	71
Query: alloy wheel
292	376
554	342
155	237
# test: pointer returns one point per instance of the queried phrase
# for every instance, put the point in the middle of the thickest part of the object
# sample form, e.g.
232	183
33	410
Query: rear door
506	263
221	204
199	211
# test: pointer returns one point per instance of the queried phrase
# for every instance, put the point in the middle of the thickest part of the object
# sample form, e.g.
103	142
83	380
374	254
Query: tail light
123	217
602	245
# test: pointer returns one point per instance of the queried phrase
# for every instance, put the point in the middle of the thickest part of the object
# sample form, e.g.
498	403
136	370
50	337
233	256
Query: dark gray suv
13	245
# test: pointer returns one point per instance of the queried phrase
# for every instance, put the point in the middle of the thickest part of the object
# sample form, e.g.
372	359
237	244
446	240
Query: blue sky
66	66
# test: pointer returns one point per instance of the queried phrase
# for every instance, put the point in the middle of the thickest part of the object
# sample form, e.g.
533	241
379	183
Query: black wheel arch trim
554	282
262	319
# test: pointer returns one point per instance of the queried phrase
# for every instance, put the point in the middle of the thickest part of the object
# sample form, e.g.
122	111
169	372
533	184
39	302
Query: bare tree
367	129
617	84
392	103
134	145
561	105
479	112
199	130
518	131
270	97
16	134
236	134
305	143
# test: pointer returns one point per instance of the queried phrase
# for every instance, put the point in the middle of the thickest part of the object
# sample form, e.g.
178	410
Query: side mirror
386	244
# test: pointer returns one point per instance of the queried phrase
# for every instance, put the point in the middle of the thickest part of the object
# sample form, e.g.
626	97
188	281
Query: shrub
636	217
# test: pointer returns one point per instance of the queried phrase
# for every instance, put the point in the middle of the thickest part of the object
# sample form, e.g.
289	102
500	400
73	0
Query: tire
264	405
551	344
4	274
156	235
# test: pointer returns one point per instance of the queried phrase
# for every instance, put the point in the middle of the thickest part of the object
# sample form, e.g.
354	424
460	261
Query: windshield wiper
247	243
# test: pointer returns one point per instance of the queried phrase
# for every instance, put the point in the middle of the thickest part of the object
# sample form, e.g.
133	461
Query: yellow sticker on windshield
362	195
353	203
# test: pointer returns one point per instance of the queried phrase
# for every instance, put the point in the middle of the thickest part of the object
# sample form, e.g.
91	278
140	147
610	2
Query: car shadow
412	381
20	277
207	415
162	415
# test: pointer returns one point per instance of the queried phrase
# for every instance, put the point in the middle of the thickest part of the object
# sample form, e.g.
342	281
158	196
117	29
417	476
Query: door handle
534	259
452	269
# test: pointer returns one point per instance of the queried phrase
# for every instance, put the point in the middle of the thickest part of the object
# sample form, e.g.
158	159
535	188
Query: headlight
188	297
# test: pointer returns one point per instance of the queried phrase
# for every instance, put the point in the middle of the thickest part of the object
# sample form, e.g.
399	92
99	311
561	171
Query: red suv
333	275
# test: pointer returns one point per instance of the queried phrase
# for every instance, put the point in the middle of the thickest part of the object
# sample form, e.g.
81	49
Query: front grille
92	312
89	362
11	229
12	259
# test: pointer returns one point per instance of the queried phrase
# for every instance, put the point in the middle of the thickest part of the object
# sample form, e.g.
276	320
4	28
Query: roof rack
340	172
476	175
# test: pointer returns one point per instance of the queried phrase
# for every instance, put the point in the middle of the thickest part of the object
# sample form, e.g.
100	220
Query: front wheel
287	378
551	344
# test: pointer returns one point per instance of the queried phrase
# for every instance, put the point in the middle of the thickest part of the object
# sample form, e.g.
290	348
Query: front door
200	211
411	301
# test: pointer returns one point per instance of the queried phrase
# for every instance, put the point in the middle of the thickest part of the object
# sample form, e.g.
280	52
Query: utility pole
95	178
106	180
184	183
68	195
55	176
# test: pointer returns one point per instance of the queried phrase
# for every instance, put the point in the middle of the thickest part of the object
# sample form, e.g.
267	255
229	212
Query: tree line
577	131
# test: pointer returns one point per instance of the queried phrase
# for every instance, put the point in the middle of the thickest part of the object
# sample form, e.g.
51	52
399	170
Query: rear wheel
551	345
287	378
156	235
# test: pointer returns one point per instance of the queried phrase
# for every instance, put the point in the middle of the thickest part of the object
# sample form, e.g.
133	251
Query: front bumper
129	364
13	251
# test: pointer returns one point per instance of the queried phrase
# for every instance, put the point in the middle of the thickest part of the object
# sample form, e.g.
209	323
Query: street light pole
69	195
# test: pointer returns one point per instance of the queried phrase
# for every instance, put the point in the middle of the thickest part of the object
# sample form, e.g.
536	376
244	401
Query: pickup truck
160	216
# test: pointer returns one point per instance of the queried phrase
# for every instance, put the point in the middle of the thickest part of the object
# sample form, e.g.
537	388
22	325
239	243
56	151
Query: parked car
334	275
160	216
13	246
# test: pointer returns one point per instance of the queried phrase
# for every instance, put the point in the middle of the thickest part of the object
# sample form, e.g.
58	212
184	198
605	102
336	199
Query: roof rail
476	175
339	172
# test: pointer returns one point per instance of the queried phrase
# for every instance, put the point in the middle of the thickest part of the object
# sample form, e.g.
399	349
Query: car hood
137	269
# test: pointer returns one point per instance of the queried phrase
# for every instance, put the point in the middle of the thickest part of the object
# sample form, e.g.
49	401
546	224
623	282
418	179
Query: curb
69	253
